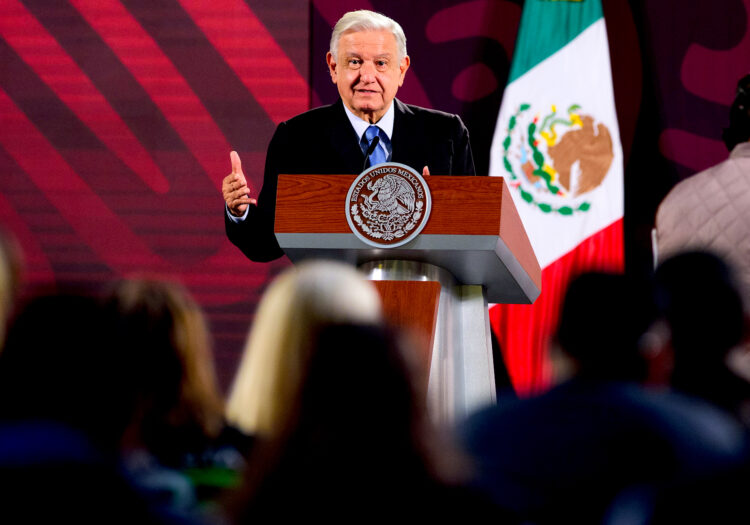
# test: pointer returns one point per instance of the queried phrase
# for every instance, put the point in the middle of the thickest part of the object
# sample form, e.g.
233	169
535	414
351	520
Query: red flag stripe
250	50
50	62
145	60
524	331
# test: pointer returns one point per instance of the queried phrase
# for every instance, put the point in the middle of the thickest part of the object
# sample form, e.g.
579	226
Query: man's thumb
236	163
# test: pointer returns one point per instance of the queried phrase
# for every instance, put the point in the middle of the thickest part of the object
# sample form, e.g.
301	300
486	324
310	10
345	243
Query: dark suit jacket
322	141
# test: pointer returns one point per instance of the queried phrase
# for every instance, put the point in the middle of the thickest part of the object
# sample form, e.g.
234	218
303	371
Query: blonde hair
296	305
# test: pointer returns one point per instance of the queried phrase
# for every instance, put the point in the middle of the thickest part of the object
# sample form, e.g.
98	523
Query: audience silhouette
563	456
177	439
294	307
65	401
349	438
110	409
357	444
703	309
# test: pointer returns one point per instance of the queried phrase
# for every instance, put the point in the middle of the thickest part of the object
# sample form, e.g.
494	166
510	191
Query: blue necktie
378	155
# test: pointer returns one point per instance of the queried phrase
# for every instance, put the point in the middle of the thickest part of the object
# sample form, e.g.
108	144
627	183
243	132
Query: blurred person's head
697	296
602	320
60	363
165	332
357	427
739	115
294	308
359	386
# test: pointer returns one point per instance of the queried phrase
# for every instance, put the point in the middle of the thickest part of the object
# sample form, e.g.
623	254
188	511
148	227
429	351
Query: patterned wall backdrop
117	122
118	117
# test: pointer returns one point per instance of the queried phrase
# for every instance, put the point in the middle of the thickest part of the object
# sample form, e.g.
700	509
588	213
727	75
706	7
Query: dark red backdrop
118	118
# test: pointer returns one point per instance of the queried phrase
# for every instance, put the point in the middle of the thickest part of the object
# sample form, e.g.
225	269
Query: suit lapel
407	140
344	140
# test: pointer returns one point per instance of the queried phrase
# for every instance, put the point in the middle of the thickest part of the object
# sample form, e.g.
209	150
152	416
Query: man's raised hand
234	188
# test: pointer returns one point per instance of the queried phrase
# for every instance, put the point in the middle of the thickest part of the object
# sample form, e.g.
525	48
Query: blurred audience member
61	363
563	456
703	310
711	210
65	400
294	307
52	473
177	439
348	437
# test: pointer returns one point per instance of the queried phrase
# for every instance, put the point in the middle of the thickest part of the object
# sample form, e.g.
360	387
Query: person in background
563	456
330	392
293	308
177	443
701	308
60	363
703	311
66	398
711	209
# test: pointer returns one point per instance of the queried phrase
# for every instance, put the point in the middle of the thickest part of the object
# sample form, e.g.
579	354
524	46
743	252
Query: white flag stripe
580	74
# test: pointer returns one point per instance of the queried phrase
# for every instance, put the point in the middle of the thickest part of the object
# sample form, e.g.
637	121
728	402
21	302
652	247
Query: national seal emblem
555	160
388	205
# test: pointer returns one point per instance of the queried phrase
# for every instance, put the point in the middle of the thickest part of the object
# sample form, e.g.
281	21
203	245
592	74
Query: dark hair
355	437
60	364
702	305
697	295
739	116
603	317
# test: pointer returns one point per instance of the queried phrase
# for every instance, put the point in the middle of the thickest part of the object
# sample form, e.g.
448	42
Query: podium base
461	374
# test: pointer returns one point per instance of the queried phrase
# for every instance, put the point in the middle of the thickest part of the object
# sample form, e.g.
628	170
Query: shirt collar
385	123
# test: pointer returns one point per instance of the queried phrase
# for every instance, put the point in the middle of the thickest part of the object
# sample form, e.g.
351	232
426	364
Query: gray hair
364	20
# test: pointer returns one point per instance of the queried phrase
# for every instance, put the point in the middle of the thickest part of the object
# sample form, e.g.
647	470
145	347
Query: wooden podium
472	250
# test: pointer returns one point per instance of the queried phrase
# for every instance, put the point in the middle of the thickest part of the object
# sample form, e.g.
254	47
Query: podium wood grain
412	307
460	206
316	203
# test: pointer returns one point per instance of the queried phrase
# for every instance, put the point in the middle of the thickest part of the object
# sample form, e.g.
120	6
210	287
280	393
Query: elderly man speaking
367	61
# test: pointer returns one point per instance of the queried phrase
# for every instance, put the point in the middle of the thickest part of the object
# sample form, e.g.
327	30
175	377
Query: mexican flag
557	144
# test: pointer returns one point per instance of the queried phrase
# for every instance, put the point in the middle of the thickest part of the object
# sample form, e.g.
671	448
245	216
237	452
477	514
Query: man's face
367	72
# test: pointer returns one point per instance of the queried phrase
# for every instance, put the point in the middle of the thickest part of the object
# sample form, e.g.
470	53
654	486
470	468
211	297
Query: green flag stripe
547	26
